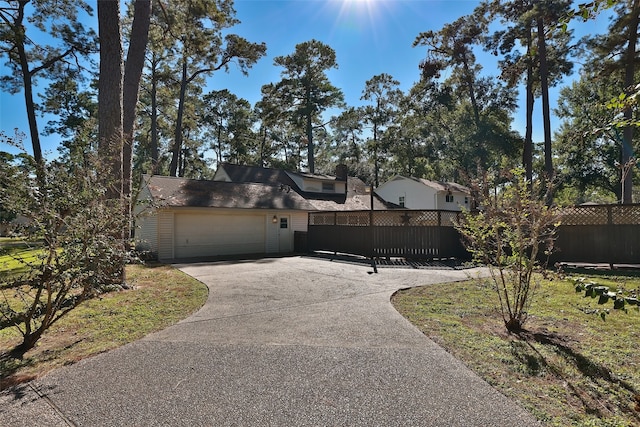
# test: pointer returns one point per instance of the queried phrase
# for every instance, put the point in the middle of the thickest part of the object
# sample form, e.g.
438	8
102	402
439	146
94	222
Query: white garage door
199	234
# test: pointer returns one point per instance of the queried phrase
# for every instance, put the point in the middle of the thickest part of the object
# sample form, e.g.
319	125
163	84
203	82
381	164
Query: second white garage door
201	234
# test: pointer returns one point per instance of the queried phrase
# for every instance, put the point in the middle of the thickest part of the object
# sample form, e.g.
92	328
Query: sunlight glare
359	13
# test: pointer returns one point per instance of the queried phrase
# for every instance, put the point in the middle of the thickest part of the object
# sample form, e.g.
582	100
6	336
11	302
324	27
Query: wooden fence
590	234
425	234
599	234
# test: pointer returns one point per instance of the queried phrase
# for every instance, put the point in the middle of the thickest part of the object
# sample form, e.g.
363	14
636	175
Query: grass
16	255
571	367
159	296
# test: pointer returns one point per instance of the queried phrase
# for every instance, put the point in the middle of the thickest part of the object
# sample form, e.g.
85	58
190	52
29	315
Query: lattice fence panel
405	218
448	219
355	219
601	215
625	214
388	218
585	215
428	218
322	218
395	218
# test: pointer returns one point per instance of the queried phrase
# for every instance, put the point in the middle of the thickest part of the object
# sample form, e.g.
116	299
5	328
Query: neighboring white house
418	193
244	210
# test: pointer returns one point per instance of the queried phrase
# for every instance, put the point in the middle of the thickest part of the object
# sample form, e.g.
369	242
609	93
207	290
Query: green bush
512	234
82	252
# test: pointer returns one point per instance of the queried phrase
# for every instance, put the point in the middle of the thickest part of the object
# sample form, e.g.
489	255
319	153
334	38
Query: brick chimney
341	172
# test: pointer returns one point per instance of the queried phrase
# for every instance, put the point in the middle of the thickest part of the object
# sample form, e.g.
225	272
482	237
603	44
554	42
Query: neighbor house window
466	200
328	187
401	201
449	198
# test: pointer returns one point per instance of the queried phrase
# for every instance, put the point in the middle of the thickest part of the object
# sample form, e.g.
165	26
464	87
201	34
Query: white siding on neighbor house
416	195
457	204
420	196
165	235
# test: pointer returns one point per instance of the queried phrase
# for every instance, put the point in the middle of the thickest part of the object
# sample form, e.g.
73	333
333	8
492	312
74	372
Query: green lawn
571	367
16	255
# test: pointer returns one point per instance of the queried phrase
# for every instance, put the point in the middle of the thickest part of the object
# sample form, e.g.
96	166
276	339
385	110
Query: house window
328	187
284	222
401	200
449	198
466	200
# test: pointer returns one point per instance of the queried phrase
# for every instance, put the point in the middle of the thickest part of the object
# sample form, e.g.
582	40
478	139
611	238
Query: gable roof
182	192
445	186
356	198
255	174
436	185
245	173
253	187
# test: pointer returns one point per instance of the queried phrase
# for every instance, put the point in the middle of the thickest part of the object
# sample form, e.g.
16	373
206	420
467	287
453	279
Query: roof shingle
257	188
181	192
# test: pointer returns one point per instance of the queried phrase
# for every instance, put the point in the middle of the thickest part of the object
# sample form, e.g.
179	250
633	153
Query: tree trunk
28	89
31	110
627	144
546	116
110	130
177	144
219	137
527	154
154	118
263	144
110	126
309	131
131	84
468	78
28	342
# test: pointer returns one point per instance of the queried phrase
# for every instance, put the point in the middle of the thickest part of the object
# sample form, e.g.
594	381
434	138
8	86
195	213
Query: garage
181	219
200	234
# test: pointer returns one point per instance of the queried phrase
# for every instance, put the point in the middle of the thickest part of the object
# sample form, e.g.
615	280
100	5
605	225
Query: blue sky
370	37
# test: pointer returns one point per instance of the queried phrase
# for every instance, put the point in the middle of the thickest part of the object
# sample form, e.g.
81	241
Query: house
418	193
243	210
16	224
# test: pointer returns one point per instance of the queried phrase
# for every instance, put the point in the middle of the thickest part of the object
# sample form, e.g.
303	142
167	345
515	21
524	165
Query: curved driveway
280	342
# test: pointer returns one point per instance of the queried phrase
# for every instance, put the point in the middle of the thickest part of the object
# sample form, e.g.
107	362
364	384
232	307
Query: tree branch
50	62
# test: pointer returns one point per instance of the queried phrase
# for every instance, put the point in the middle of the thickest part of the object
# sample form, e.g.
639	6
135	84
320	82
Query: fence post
373	259
439	234
610	227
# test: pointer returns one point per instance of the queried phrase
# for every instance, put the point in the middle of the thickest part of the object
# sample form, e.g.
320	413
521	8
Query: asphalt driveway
280	342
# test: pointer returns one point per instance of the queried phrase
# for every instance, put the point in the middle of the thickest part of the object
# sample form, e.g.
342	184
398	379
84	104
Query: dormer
313	183
317	184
